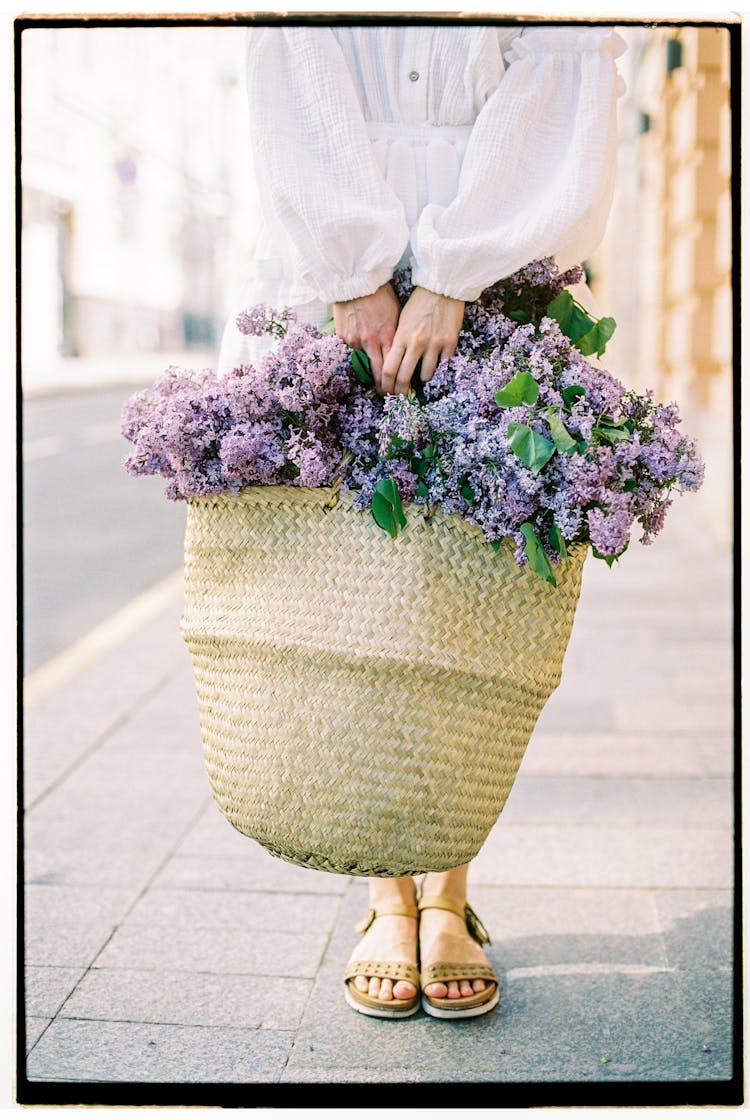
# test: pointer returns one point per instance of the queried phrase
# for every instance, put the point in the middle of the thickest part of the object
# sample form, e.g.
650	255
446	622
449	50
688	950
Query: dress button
413	75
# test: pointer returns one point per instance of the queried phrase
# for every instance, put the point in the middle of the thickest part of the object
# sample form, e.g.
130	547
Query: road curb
108	634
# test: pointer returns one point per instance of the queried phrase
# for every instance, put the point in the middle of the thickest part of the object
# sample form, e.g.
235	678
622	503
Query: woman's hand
369	323
428	329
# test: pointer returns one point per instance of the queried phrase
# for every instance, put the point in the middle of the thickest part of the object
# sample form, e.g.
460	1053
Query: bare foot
443	936
391	937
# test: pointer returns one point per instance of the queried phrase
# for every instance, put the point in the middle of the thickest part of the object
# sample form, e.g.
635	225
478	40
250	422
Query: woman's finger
430	362
406	371
392	367
375	354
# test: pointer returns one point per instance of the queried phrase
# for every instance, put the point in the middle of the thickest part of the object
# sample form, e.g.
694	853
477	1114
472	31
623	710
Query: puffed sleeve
538	174
321	191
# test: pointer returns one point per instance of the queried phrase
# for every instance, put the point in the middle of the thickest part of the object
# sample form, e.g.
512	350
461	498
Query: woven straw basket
365	703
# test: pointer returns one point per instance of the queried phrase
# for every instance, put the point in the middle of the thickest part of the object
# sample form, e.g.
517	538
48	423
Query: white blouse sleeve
321	191
539	169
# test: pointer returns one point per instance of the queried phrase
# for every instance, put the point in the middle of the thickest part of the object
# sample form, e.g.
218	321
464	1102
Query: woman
463	153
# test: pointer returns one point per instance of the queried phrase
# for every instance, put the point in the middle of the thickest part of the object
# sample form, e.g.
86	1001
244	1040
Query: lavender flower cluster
286	423
565	455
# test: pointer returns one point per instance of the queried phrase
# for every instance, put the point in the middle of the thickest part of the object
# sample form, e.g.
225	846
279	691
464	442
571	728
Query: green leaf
533	450
519	316
419	466
574	320
468	494
496	545
557	541
537	557
561	437
587	335
561	308
423	490
595	340
361	366
611	433
382	511
521	389
329	328
571	394
387	508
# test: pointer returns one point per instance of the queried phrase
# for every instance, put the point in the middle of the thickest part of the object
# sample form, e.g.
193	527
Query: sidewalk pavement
163	946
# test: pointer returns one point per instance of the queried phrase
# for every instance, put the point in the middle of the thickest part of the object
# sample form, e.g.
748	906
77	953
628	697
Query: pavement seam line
98	742
144	890
104	637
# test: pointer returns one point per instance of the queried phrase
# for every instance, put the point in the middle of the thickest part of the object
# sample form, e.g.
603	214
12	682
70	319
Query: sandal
391	970
463	1007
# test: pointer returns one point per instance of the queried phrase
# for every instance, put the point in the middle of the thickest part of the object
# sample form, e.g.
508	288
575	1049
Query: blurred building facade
664	269
138	215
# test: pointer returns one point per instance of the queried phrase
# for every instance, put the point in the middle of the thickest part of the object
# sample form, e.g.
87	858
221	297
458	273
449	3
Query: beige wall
665	266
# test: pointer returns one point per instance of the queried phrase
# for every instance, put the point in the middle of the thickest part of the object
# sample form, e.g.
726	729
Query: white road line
43	447
54	673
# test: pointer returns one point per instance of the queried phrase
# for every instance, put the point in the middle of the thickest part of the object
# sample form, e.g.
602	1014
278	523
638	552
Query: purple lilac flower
301	418
265	320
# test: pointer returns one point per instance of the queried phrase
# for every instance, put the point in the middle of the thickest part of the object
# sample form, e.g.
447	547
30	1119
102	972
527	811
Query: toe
453	990
479	985
465	988
402	989
374	987
436	991
386	989
361	983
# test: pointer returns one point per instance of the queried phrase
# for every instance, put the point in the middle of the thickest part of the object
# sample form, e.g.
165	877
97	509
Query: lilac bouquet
517	433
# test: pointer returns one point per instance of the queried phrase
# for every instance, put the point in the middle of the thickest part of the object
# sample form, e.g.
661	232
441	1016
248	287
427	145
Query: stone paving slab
248	910
582	800
624	755
66	926
257	872
124	816
698	928
668	715
35	1028
85	867
521	855
189	998
70	721
685	803
252	952
47	987
87	1050
558	927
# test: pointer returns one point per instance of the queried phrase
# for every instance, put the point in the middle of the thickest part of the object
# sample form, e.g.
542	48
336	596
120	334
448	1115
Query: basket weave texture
365	703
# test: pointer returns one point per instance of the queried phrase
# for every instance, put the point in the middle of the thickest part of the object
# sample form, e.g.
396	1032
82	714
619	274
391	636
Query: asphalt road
93	536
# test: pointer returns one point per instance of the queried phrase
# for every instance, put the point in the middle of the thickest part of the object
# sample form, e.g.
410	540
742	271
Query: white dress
462	152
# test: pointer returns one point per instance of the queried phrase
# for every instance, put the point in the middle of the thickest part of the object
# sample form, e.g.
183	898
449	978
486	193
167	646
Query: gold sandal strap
439	902
474	926
389	908
444	972
390	970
